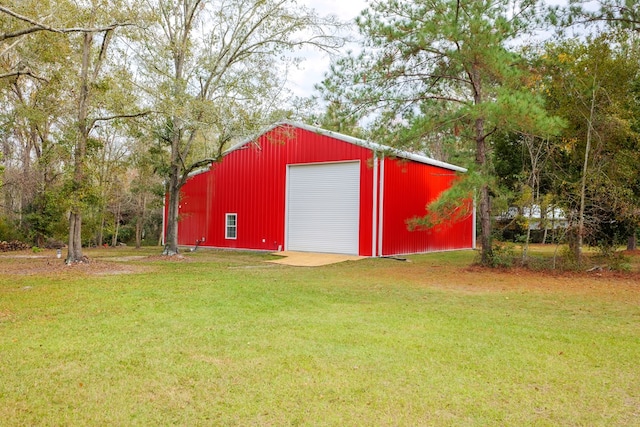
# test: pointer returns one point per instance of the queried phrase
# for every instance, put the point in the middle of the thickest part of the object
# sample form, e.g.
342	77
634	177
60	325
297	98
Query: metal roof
356	141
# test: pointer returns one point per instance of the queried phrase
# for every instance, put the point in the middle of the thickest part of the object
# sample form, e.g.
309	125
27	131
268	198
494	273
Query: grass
223	338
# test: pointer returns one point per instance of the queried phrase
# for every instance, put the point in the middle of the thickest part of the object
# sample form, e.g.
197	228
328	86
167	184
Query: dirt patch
165	258
24	265
47	263
609	285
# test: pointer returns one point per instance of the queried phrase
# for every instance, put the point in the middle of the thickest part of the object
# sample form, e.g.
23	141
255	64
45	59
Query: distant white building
555	217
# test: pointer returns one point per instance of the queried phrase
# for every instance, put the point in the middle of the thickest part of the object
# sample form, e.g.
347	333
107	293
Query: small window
231	226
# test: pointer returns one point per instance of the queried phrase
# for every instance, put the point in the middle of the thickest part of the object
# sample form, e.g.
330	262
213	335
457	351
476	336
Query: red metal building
301	188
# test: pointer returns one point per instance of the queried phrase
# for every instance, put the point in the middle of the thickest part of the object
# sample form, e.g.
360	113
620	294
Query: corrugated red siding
408	187
251	182
194	220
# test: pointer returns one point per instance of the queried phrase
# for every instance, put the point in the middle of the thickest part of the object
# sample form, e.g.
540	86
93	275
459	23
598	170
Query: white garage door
323	207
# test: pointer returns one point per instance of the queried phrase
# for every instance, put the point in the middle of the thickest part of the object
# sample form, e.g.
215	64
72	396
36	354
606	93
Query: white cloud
345	9
316	64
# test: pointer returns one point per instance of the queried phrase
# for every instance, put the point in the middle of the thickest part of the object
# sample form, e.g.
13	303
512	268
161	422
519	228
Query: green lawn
224	338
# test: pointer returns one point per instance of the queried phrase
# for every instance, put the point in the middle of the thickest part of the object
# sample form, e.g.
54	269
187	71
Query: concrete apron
311	259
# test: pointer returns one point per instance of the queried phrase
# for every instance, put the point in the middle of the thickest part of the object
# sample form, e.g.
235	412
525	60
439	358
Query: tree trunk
25	192
7	203
632	242
544	217
481	161
114	239
485	226
140	220
583	183
171	238
75	219
525	248
485	197
139	224
74	253
100	237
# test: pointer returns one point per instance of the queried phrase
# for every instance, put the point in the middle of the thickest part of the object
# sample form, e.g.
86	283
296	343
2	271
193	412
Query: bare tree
34	26
538	150
225	71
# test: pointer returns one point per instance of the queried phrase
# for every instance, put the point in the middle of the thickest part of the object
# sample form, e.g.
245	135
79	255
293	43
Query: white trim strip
164	219
285	244
381	206
473	225
374	216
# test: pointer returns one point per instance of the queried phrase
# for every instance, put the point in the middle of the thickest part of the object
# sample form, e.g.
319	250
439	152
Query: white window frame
227	227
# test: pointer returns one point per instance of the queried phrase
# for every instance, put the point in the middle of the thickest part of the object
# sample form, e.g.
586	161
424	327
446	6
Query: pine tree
444	69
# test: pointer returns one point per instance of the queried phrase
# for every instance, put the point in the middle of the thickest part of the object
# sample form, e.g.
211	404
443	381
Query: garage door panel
323	207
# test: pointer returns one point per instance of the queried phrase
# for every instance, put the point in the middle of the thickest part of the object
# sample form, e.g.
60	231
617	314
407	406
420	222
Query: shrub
502	256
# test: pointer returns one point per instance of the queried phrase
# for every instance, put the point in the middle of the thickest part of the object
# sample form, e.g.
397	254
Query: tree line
110	104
